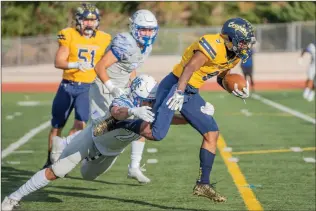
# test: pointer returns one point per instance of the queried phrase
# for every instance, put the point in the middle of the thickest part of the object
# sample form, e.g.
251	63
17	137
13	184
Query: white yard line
24	139
284	108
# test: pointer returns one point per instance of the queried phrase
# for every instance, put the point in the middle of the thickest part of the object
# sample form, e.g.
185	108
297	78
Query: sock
310	96
36	182
306	92
130	124
206	163
136	153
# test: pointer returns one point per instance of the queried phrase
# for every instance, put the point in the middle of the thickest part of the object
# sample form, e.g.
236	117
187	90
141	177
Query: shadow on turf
12	178
104	182
84	195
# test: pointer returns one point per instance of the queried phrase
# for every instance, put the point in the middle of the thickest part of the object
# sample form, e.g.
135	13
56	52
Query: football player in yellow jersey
211	55
79	51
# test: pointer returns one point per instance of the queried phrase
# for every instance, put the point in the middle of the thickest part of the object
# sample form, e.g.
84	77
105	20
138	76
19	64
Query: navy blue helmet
239	37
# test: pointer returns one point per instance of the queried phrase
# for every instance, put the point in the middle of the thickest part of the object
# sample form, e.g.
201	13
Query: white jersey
114	142
312	50
130	57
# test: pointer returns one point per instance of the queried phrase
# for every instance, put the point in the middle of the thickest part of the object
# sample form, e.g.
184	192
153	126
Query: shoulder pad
123	46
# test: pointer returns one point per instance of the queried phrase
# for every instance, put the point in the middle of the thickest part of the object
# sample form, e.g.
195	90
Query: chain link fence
287	37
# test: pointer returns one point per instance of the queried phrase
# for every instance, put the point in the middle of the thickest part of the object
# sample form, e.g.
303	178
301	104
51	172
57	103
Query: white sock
311	95
306	92
36	182
136	154
69	138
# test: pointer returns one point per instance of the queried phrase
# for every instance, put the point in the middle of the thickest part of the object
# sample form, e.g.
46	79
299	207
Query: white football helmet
143	19
143	89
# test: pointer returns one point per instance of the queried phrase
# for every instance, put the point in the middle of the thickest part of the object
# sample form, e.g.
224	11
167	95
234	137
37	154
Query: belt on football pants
98	154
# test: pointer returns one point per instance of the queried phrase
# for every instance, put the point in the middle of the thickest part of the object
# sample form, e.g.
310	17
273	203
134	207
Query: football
230	80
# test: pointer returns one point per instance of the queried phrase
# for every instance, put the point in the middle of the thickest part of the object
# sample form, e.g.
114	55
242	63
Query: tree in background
34	18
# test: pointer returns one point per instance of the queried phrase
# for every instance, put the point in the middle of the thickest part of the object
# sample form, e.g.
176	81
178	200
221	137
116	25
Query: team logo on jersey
242	29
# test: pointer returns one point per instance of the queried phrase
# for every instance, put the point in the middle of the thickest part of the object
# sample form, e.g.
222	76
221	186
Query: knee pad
65	165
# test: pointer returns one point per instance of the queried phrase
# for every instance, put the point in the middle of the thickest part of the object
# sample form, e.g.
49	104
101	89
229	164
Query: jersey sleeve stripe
116	54
208	48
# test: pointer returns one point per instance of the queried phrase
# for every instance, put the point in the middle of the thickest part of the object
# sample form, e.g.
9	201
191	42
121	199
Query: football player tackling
127	52
97	150
212	55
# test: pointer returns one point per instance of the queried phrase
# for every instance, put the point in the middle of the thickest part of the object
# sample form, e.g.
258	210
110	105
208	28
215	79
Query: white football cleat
137	174
57	148
8	204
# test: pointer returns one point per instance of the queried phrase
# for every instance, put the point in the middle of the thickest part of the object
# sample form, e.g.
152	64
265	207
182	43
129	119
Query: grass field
282	180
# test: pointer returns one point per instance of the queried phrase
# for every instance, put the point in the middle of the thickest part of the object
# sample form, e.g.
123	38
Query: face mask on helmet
144	27
87	19
143	90
239	37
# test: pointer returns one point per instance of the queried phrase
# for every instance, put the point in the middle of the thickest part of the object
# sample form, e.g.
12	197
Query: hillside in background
40	18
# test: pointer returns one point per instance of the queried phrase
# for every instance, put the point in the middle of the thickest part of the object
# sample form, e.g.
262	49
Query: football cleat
137	174
8	204
57	148
208	191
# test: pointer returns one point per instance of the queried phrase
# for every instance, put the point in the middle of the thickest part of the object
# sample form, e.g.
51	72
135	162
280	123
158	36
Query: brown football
230	80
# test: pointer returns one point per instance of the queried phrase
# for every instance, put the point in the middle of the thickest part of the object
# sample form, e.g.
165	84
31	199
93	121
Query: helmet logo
237	27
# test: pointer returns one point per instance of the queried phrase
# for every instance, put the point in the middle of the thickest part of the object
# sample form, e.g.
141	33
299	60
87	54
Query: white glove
115	91
242	94
84	66
143	113
176	101
208	109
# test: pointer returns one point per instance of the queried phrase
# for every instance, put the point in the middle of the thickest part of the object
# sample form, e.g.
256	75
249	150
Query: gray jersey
114	142
130	57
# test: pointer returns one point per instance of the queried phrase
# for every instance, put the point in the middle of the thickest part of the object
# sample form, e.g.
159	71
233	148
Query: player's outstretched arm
105	62
197	61
143	112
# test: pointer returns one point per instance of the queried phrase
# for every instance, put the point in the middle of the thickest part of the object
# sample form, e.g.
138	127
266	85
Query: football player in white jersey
99	151
309	91
117	68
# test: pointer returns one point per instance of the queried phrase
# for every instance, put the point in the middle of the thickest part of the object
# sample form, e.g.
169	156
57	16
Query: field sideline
255	182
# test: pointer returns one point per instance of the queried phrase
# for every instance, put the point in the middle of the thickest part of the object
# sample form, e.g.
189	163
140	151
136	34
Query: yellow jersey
212	45
83	49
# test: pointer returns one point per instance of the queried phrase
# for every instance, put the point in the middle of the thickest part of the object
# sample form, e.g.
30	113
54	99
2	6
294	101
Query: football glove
208	109
241	94
176	101
84	66
143	113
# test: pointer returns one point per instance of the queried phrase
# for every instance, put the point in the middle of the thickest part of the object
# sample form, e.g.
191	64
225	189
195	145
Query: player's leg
71	156
91	169
81	105
208	128
59	144
61	109
99	101
134	169
309	93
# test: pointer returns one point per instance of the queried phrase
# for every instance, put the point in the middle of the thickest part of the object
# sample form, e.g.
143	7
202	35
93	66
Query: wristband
109	85
73	65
